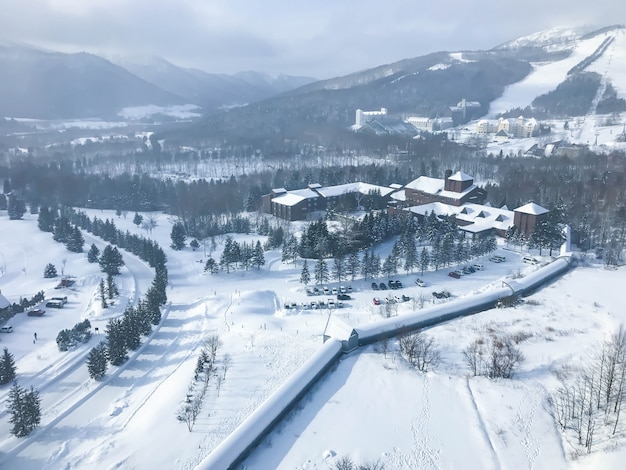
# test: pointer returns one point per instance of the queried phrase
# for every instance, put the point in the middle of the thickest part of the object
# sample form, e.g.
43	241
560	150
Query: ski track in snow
483	427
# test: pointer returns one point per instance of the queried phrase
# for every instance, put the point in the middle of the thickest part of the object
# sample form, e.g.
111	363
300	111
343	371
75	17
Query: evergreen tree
178	236
62	230
132	329
75	241
116	342
112	290
138	219
103	295
50	271
25	409
305	276
211	266
258	256
97	361
366	265
194	244
111	260
93	254
424	260
354	265
45	220
321	271
7	367
339	268
3	202
16	207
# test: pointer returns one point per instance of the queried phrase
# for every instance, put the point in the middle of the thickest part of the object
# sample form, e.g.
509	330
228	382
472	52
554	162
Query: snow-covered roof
479	217
457	195
460	176
532	208
427	185
294	197
349	188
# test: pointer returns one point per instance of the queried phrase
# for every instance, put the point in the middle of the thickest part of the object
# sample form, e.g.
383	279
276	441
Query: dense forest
590	189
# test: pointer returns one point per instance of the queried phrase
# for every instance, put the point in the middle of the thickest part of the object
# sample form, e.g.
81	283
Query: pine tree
178	236
211	266
7	367
50	271
45	220
424	260
321	271
132	330
194	244
111	287
93	254
75	241
25	409
97	361
339	268
16	207
258	256
354	265
111	260
138	219
116	342
103	295
305	276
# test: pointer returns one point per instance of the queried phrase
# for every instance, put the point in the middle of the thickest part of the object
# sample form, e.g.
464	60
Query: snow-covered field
373	406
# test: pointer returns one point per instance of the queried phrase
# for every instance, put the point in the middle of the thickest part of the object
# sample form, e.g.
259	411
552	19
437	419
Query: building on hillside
362	117
519	128
510	128
300	203
424	124
457	196
455	189
464	111
527	216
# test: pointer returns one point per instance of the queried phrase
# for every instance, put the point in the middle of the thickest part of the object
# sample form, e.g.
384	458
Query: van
54	304
6	329
529	259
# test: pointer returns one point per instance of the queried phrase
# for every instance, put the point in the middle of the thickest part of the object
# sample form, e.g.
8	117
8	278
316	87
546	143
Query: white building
363	116
518	128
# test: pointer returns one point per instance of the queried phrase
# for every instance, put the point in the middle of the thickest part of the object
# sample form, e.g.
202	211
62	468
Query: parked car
343	297
382	286
349	288
420	283
36	312
334	291
340	304
326	290
497	259
374	286
390	300
468	270
6	329
309	291
454	274
331	303
316	291
530	260
444	294
478	267
376	301
60	299
405	298
392	284
342	290
54	304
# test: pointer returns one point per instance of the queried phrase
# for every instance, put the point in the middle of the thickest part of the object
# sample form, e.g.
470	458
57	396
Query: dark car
374	286
36	313
382	286
454	274
54	304
343	297
392	285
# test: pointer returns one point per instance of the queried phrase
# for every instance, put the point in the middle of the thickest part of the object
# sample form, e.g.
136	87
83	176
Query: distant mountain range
555	73
41	84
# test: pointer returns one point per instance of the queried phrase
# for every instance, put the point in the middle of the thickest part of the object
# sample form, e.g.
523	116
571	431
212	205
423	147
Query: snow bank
248	434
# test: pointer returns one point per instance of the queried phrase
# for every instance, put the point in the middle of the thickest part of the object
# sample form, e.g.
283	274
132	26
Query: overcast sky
322	38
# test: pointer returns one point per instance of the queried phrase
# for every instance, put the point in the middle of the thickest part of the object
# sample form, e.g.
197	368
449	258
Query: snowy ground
371	407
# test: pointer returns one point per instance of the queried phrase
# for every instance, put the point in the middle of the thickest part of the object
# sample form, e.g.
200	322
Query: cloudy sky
322	38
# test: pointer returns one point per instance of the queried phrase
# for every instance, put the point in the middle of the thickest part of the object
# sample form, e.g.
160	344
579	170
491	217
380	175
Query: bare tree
420	351
213	343
227	361
474	356
149	223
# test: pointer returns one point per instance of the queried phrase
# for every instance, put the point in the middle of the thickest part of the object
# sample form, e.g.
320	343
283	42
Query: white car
6	329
